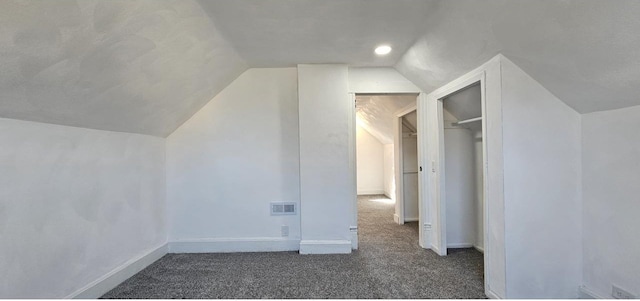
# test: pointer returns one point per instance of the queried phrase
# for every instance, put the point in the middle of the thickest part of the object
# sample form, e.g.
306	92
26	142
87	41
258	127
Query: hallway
388	264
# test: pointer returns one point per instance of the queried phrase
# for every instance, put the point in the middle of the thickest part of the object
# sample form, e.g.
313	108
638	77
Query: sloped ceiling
146	66
141	66
583	51
278	33
377	113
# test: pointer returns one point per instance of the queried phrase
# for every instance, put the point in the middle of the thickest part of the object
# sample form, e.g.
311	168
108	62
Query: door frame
398	158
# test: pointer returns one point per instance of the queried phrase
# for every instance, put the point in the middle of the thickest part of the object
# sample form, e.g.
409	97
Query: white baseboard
480	249
586	293
325	247
229	245
110	280
410	219
370	192
459	245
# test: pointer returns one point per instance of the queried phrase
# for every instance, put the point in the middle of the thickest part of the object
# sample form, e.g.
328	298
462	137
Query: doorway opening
384	192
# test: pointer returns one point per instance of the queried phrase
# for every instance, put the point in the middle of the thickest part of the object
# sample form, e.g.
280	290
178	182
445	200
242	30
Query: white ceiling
145	66
141	66
586	52
376	113
276	33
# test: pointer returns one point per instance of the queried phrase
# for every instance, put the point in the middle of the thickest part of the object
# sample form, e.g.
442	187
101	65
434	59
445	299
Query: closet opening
462	188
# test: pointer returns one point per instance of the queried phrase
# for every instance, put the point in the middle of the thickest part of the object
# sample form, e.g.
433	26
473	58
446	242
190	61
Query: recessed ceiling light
383	49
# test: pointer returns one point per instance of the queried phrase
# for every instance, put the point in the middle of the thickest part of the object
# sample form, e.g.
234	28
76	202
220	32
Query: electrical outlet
619	293
284	230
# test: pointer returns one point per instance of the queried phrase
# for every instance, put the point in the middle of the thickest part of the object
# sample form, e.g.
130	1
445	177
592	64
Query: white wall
75	204
389	175
379	80
542	192
460	188
230	160
370	163
611	210
326	175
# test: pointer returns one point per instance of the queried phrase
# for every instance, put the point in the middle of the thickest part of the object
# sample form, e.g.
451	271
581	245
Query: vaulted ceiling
146	66
586	52
141	66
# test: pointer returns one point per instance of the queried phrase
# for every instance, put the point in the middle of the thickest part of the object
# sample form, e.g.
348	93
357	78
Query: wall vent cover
283	208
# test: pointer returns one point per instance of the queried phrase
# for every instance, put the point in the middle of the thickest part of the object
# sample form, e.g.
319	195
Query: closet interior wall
463	169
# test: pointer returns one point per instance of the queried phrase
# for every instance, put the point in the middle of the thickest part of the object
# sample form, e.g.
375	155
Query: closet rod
467	121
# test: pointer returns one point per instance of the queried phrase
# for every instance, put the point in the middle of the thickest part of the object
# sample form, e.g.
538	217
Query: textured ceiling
141	66
586	52
376	113
276	33
146	66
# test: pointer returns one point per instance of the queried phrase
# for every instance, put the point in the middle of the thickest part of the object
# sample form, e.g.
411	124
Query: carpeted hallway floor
388	264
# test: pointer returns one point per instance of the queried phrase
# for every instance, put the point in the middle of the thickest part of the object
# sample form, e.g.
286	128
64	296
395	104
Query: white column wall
327	198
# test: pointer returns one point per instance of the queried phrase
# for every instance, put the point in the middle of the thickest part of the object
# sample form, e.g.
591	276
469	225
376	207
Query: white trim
325	247
587	293
425	237
354	237
353	165
480	249
435	249
459	245
371	192
110	280
411	219
424	232
491	295
396	219
228	245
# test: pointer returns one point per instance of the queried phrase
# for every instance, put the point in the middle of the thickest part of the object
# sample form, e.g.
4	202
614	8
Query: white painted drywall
460	187
325	176
75	204
611	210
379	80
370	163
542	193
231	159
389	175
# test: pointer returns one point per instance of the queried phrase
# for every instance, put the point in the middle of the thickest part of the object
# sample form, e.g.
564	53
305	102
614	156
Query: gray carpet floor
388	264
